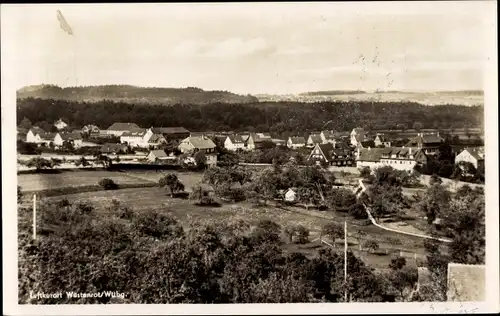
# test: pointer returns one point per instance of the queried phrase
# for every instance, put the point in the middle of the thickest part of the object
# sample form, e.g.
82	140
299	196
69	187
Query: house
156	140
279	142
382	140
327	137
257	140
366	144
291	195
399	158
137	137
428	142
234	143
328	154
60	124
474	155
90	129
171	133
357	135
314	139
74	138
47	138
110	148
193	144
296	142
33	135
466	283
159	156
117	129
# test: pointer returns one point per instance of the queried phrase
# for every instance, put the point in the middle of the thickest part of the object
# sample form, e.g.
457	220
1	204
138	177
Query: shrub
397	263
333	230
108	184
125	213
302	234
84	208
19	194
157	225
371	245
357	211
63	203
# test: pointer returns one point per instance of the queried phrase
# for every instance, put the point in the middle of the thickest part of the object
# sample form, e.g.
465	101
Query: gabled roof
328	134
383	137
137	132
476	152
370	154
426	139
169	130
48	136
358	130
155	138
123	127
466	283
71	136
297	140
36	130
158	153
330	152
201	142
367	143
260	137
315	138
236	139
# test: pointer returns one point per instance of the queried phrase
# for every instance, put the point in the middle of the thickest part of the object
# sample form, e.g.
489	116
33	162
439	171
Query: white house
137	138
475	156
296	142
357	136
117	129
314	139
399	158
158	156
33	135
75	138
291	195
234	142
327	137
60	124
257	140
382	140
192	144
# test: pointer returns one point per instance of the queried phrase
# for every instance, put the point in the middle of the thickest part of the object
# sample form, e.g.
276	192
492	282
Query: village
165	145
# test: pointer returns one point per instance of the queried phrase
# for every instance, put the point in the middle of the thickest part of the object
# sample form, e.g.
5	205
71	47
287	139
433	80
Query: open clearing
43	181
141	199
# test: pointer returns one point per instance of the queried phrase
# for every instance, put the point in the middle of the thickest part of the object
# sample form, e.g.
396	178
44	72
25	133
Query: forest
274	117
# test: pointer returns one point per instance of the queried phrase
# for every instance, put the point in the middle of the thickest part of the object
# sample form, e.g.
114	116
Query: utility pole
345	260
34	216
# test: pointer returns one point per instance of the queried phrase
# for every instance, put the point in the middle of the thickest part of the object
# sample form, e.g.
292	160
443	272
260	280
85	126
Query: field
80	178
141	199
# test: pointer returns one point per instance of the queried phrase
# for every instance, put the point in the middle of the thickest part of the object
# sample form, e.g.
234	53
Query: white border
9	181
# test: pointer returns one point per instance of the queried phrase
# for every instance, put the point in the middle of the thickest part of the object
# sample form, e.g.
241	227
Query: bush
108	184
371	245
298	233
358	211
157	225
333	230
397	263
19	194
84	208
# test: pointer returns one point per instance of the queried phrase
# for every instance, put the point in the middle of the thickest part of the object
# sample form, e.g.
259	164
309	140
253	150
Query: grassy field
43	181
141	199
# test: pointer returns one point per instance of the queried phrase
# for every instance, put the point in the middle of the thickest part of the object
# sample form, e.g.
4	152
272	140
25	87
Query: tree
365	172
108	184
39	163
19	194
417	126
434	203
82	162
397	263
172	182
403	280
103	160
201	196
333	230
25	123
341	199
435	179
201	159
371	245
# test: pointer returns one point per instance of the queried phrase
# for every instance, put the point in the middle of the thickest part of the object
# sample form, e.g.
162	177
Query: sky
275	48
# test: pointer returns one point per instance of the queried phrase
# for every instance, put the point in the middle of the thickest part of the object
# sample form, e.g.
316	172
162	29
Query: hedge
85	188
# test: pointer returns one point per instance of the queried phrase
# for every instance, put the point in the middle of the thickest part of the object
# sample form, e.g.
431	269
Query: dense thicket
263	116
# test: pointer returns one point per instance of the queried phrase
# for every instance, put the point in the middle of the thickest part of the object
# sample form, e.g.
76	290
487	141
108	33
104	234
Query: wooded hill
133	94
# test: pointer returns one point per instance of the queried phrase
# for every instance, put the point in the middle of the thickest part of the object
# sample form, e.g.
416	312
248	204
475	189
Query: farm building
60	124
159	155
257	140
111	148
327	153
382	140
428	142
475	156
136	137
296	142
234	142
118	129
358	135
399	158
327	137
171	133
75	138
313	139
193	144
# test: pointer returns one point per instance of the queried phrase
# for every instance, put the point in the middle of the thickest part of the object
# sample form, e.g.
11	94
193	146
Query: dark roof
370	154
36	130
155	137
297	140
476	152
383	138
368	143
331	152
48	136
375	154
123	127
260	137
328	134
112	147
71	136
426	139
315	138
169	130
466	283
236	139
159	153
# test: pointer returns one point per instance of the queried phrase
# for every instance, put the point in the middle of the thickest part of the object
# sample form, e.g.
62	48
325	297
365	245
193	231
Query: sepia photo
208	155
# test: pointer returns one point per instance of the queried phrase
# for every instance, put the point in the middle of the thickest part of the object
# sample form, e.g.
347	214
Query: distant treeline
333	92
275	117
